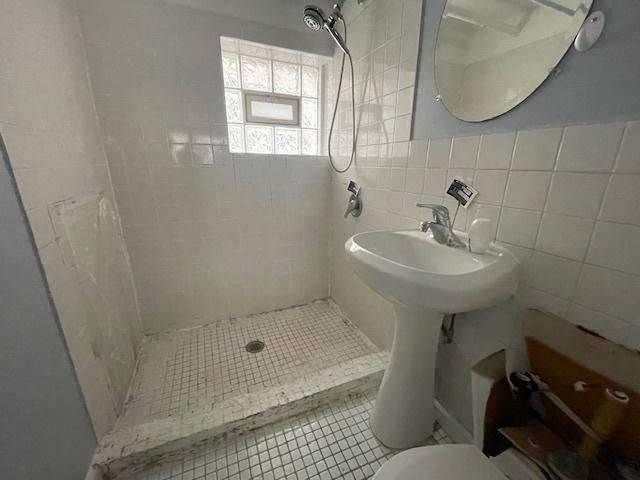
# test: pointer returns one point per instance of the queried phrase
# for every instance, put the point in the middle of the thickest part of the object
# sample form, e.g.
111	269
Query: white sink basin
425	281
411	268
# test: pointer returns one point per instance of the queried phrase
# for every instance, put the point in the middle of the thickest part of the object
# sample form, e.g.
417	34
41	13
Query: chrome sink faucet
441	226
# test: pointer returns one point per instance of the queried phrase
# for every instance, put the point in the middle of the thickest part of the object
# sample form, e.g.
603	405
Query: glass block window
288	141
272	98
231	70
259	139
286	78
309	113
256	73
233	101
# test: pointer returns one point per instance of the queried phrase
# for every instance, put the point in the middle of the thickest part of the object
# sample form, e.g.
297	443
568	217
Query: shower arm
336	14
334	34
338	5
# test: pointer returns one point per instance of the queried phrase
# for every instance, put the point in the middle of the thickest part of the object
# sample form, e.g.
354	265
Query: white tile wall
564	200
576	194
495	150
564	236
48	119
622	202
384	42
576	232
518	227
628	156
210	234
40	402
590	148
608	250
527	190
536	149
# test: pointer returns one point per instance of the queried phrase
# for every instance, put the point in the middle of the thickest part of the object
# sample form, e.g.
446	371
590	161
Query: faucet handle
354	206
440	212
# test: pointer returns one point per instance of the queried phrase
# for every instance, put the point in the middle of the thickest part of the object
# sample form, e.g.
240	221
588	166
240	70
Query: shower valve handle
354	207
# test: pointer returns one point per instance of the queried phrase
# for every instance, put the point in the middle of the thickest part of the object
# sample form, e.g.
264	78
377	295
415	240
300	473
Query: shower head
316	20
314	17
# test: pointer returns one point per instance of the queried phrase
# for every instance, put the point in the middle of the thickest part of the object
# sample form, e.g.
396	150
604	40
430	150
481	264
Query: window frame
280	98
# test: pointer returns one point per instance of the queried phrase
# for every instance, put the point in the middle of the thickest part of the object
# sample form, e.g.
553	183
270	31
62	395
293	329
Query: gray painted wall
45	431
600	85
276	13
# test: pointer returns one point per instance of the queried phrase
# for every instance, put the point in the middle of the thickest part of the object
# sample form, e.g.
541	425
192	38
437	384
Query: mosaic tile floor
185	370
332	442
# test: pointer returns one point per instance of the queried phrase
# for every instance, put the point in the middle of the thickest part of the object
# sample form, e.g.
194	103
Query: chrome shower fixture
314	17
316	20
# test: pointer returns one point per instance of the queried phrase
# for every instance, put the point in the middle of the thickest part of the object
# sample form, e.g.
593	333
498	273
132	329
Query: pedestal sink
425	281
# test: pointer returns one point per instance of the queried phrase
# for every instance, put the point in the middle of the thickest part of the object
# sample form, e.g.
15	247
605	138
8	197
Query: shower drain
254	346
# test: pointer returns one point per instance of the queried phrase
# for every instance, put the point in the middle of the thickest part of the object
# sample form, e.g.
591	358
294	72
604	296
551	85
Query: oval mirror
492	54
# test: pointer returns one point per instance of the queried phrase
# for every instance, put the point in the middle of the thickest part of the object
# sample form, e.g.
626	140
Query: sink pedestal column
403	415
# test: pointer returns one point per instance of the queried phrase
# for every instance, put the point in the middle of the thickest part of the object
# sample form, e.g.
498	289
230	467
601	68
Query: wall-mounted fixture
316	20
590	32
354	206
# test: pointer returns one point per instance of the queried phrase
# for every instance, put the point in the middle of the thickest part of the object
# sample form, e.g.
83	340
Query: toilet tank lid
440	462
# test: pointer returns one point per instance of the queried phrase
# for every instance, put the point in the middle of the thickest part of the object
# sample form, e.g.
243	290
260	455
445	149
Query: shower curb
130	450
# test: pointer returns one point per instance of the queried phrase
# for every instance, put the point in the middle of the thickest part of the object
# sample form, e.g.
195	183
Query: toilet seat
440	462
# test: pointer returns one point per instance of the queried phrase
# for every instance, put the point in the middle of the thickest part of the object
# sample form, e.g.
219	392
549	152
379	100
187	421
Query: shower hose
335	109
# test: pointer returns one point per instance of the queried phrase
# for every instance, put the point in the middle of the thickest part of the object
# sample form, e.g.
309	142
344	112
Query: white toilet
440	462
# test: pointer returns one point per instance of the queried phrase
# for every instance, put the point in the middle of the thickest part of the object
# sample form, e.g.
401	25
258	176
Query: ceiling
277	13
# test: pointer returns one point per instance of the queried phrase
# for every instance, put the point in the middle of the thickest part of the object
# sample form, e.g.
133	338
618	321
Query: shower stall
194	249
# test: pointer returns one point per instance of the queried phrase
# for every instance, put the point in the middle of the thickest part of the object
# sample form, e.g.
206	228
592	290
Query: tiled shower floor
332	442
201	366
